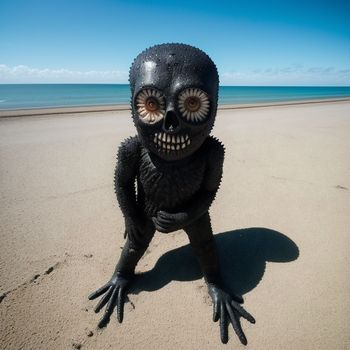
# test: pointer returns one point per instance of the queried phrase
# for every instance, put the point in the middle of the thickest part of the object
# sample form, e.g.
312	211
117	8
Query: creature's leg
114	289
202	241
226	307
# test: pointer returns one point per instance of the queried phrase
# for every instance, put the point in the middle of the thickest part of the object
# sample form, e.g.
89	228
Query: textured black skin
174	190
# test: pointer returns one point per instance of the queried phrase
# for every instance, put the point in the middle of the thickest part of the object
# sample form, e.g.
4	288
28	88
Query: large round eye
150	105
194	104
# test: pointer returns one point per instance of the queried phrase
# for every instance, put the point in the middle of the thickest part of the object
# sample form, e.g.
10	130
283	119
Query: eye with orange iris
150	105
194	104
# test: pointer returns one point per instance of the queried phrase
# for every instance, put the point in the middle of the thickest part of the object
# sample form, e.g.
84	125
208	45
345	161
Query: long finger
120	305
163	214
223	324
156	224
165	221
236	324
98	292
104	300
165	217
155	221
245	314
165	229
215	311
109	309
160	228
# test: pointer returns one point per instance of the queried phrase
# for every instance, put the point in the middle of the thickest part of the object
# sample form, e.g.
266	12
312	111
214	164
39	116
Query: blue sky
252	42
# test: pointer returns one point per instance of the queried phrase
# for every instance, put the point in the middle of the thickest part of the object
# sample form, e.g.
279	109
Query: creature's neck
157	161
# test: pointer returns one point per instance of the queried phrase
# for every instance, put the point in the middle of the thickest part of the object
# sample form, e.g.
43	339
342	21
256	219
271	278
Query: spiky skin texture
167	176
185	188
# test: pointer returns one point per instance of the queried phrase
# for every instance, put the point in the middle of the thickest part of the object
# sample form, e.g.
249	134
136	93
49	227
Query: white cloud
293	75
25	74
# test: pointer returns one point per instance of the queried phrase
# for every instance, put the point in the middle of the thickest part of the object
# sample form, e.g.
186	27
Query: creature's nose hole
171	122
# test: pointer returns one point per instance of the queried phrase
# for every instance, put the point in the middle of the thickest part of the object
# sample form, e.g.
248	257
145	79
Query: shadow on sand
243	255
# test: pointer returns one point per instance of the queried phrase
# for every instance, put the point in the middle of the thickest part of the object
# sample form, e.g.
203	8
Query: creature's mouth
167	143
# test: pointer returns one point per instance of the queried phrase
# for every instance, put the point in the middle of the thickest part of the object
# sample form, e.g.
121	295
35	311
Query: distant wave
2	101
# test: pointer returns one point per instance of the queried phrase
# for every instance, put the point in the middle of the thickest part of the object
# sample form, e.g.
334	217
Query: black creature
177	168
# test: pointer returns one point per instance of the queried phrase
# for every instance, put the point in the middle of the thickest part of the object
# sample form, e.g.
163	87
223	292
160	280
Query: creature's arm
203	200
200	203
124	186
124	177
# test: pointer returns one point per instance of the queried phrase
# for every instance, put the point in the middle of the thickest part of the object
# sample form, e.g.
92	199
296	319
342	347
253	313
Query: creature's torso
167	186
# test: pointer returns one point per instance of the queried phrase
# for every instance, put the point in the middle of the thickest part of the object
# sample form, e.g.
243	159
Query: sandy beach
281	220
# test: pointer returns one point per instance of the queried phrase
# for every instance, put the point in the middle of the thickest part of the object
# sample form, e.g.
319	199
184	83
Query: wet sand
281	220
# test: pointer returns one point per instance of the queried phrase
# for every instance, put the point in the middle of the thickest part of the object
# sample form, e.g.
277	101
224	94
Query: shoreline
7	113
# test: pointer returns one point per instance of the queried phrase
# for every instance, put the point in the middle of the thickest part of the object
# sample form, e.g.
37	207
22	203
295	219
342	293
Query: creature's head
174	92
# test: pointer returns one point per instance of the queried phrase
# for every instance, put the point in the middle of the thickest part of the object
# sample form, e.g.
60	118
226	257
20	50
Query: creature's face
174	99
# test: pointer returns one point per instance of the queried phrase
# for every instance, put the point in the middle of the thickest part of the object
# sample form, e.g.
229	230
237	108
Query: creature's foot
227	309
114	293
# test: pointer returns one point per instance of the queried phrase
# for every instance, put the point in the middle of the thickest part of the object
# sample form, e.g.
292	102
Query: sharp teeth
168	143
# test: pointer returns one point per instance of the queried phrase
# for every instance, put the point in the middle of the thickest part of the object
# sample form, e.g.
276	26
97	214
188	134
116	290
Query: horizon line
223	85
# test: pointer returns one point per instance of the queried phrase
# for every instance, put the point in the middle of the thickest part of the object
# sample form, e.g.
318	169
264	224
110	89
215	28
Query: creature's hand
114	293
167	222
225	308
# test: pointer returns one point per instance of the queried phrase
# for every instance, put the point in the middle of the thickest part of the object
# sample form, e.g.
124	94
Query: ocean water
19	96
